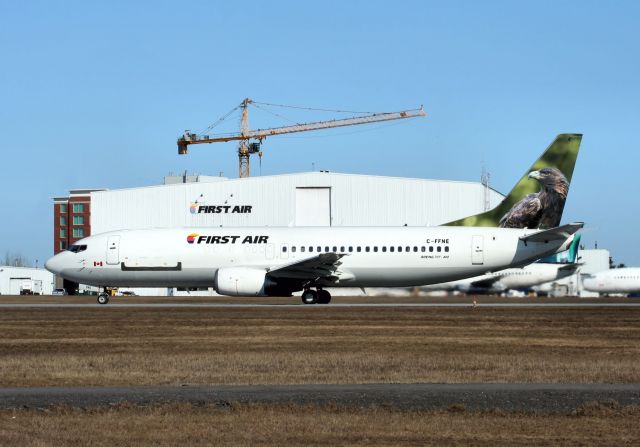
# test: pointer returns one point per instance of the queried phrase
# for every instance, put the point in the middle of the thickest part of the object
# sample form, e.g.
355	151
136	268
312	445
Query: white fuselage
374	256
513	278
622	280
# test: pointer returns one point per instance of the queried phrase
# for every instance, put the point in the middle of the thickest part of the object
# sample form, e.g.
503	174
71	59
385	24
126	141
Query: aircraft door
477	250
113	250
271	251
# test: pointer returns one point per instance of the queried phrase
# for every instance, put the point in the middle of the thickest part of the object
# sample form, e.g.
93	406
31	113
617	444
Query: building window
78	232
63	208
78	207
78	220
63	220
63	232
63	245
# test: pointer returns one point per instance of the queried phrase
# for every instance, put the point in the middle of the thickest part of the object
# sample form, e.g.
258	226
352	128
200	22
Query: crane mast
247	148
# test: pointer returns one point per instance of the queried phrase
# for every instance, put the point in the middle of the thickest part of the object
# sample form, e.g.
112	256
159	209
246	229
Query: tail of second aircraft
569	256
538	199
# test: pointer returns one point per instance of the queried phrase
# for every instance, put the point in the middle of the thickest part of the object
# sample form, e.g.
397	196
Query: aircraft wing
486	283
323	265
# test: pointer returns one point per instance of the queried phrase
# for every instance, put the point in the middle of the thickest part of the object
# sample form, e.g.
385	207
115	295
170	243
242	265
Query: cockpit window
77	248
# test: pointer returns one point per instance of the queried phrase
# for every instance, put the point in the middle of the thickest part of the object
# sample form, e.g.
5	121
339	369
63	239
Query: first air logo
249	239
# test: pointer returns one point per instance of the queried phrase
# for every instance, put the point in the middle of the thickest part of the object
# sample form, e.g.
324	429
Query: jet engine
241	281
247	281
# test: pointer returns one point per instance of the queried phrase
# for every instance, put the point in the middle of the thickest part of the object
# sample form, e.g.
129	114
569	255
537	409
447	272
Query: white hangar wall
315	198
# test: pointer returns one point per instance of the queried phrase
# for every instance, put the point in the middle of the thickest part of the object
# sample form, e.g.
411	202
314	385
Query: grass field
317	344
168	425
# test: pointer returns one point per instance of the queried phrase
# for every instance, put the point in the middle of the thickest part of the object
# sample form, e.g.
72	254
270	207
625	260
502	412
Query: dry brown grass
115	346
183	424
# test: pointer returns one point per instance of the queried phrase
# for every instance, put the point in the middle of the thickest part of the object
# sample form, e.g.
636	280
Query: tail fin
531	203
569	256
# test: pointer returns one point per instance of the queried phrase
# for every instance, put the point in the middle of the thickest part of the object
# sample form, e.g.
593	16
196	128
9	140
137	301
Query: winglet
561	155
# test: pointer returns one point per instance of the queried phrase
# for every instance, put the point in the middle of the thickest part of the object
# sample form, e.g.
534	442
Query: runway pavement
318	306
547	398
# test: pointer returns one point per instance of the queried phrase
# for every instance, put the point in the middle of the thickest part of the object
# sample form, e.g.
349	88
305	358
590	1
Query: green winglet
535	202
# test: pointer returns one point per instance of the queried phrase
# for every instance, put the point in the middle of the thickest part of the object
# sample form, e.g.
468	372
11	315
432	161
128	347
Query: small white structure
13	280
592	261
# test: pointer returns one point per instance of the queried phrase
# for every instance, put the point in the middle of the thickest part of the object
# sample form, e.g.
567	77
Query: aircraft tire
309	297
324	297
103	298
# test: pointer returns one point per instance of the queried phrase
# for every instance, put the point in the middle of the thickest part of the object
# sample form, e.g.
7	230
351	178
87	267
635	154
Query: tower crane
246	147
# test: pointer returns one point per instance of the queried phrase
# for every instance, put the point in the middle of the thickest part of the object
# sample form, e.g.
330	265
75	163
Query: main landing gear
321	296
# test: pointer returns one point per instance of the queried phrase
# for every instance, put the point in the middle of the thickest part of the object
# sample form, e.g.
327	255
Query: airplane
269	261
622	280
522	278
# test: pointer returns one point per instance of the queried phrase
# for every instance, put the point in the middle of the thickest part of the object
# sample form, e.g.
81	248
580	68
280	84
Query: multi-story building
71	218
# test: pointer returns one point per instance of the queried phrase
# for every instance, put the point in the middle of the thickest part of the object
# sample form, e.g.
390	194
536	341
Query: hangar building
305	199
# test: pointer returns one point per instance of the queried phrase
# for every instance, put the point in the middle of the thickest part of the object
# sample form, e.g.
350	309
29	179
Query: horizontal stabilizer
560	233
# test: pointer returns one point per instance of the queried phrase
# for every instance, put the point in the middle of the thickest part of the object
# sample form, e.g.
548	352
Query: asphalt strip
543	398
321	306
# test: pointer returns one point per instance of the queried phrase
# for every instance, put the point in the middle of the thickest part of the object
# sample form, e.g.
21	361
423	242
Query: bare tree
16	260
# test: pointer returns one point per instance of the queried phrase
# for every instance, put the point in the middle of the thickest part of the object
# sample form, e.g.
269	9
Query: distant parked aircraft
622	280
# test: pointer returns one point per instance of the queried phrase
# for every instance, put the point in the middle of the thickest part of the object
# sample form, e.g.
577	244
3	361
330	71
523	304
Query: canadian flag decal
97	263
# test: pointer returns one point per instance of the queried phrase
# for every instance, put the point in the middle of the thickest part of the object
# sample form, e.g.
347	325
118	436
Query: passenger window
350	249
446	249
326	249
439	249
341	249
407	249
423	249
391	249
310	249
415	249
384	249
358	249
399	249
302	249
366	249
375	249
284	249
430	249
335	249
293	249
319	249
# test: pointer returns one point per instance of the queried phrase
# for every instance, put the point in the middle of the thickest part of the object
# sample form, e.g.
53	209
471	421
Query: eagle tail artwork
537	200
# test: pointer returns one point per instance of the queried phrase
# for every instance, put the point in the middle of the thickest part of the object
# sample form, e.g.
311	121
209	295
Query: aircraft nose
54	264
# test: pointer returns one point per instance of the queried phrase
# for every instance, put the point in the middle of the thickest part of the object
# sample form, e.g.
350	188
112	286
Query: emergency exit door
113	250
477	250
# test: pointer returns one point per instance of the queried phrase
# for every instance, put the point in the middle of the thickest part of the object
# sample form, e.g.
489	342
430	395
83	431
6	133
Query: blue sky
94	94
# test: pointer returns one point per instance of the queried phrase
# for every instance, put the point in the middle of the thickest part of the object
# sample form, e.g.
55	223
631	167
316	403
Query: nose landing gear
103	298
320	296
